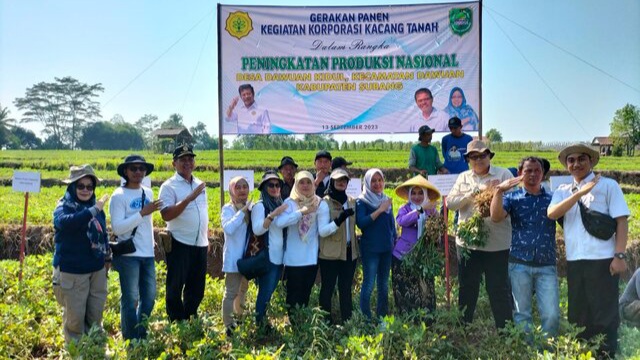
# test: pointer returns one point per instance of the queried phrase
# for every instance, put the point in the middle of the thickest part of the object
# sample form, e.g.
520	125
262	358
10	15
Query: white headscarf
313	200
368	196
414	206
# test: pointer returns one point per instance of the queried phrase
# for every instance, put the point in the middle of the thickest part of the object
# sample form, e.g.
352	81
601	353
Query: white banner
348	69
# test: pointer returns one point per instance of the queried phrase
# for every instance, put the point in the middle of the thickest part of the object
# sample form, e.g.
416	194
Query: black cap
134	159
287	160
424	129
323	154
455	122
339	161
183	150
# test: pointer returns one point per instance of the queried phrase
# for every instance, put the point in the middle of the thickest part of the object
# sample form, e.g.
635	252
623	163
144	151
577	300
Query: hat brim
123	166
187	153
491	153
288	163
270	177
74	179
581	149
432	191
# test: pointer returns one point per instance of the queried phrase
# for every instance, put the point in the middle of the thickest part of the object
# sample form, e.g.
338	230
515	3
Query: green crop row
31	327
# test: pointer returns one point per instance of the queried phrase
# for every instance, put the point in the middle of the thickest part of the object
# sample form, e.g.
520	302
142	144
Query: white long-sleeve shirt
298	252
235	232
276	251
124	208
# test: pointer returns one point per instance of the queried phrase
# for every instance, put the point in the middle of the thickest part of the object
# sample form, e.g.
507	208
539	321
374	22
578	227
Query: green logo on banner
460	20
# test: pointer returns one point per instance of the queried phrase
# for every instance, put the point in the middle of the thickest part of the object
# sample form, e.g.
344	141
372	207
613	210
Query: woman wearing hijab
235	224
458	107
81	250
338	244
374	217
263	216
412	292
301	250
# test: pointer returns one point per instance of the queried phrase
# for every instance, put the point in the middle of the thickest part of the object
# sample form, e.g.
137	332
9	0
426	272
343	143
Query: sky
552	70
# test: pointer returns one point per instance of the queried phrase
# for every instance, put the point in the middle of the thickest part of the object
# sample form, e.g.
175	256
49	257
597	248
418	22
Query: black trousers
495	267
342	272
593	301
186	275
299	282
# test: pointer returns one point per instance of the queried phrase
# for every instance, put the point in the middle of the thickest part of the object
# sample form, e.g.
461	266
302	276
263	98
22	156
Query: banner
354	70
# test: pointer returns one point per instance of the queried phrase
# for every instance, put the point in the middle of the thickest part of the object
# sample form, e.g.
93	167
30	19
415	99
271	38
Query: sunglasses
83	186
273	185
478	157
140	168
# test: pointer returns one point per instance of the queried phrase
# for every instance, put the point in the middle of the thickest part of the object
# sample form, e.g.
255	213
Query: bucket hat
578	148
78	172
134	159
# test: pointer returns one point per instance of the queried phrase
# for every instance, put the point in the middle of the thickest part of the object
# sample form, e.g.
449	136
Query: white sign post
26	182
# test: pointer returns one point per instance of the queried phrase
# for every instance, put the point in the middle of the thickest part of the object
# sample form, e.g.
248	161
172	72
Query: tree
625	129
201	138
63	107
146	125
117	119
103	135
494	135
23	139
6	124
174	122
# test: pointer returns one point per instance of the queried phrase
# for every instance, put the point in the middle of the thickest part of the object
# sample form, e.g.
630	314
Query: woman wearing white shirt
263	215
301	247
235	220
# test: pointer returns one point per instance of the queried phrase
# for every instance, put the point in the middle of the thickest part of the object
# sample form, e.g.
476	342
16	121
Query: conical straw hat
403	189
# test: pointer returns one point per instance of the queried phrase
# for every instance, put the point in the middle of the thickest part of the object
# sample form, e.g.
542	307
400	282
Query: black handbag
255	261
599	225
126	246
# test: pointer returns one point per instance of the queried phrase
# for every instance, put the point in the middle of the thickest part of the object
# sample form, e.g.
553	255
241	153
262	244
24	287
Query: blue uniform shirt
533	241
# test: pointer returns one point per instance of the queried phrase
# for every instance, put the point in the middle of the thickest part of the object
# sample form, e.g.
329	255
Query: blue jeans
375	265
138	287
267	284
544	280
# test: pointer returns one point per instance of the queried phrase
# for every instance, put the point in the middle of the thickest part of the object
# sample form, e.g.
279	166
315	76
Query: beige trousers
235	291
82	297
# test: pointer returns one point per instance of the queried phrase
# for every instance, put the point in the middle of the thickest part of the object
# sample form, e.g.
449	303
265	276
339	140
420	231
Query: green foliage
473	232
111	136
494	135
31	327
625	130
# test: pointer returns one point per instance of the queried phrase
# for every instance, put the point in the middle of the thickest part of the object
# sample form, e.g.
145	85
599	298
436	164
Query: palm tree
5	124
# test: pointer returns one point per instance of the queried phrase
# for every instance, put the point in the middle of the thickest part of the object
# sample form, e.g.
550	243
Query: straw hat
78	172
403	189
578	149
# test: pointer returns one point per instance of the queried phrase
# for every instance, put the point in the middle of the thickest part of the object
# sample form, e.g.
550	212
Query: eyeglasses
273	185
83	186
478	157
140	168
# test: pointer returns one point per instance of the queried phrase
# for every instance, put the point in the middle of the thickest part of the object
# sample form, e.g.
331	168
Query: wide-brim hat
134	159
581	149
287	160
478	146
78	172
268	176
432	191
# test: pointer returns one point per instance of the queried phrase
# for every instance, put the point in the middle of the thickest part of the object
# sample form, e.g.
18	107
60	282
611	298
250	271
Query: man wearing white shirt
249	117
434	118
184	202
594	265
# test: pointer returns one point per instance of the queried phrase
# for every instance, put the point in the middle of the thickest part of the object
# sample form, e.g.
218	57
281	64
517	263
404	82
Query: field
30	319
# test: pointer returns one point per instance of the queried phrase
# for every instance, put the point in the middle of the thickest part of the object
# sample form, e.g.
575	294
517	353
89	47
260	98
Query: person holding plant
411	290
234	218
301	251
487	254
338	244
263	216
374	217
81	254
131	207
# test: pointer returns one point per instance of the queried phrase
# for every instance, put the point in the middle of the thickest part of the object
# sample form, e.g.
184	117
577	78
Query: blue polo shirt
534	234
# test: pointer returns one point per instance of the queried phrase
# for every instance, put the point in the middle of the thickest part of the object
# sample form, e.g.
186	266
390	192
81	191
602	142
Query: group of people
308	223
84	254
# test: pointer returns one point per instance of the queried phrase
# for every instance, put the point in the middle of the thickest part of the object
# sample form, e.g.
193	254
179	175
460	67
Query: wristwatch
270	217
620	255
